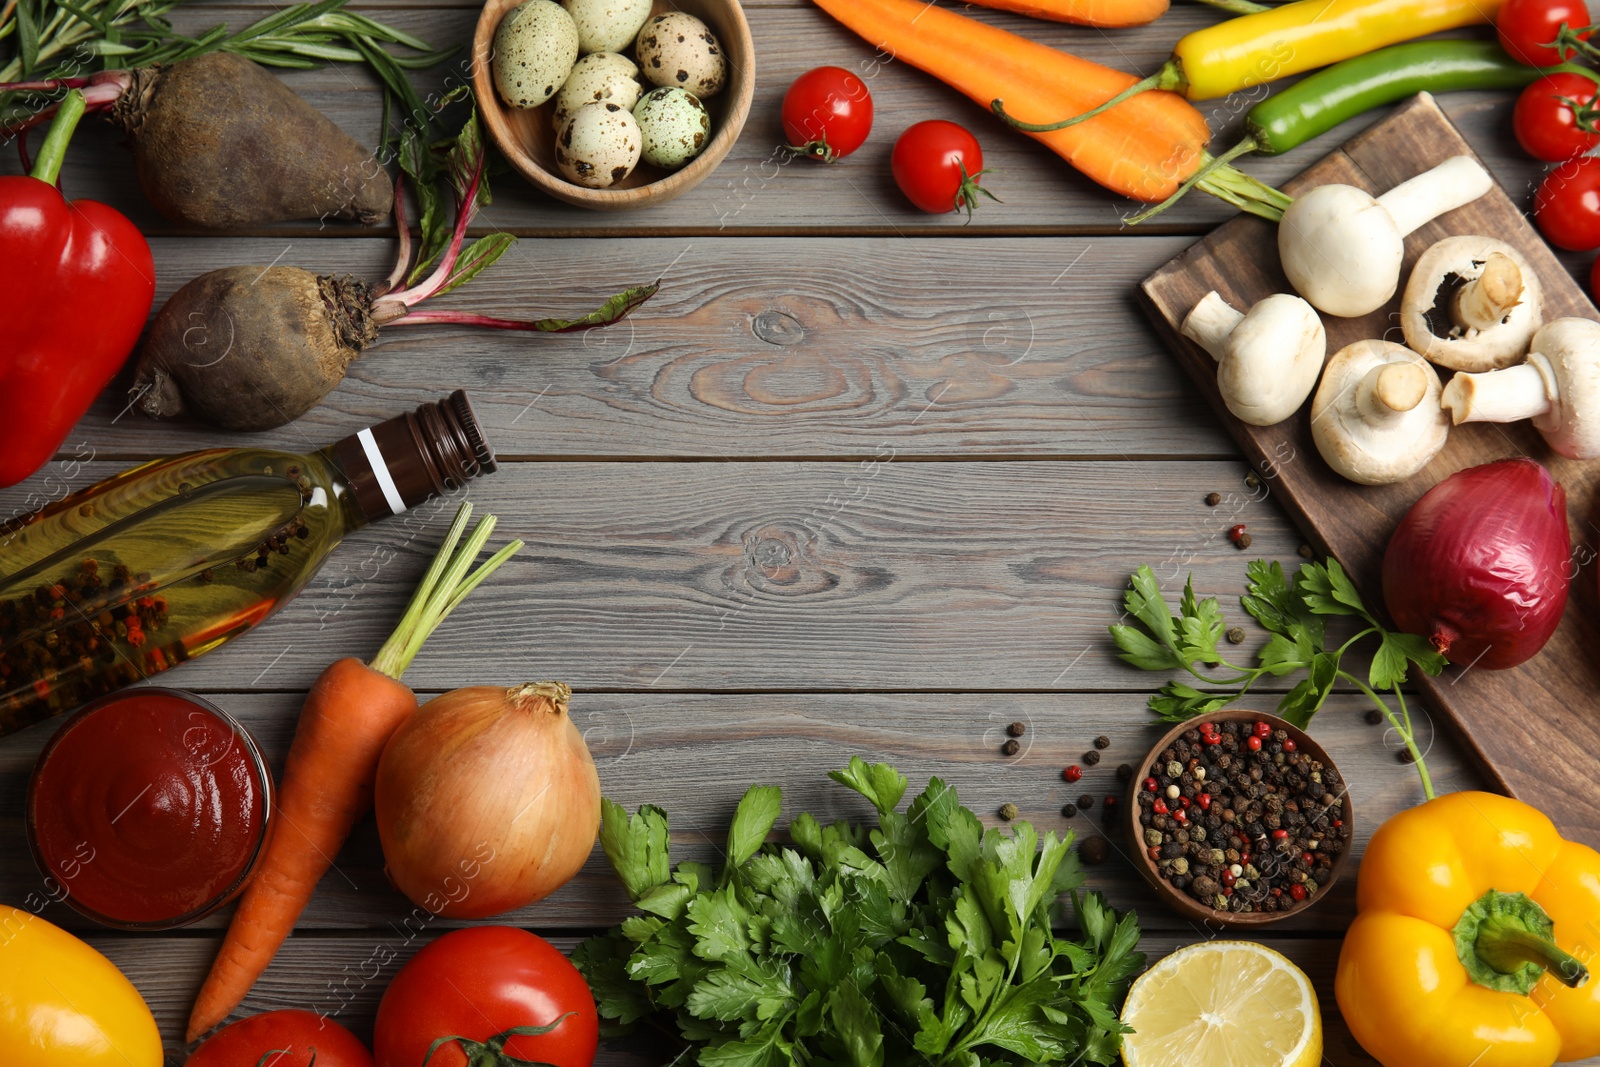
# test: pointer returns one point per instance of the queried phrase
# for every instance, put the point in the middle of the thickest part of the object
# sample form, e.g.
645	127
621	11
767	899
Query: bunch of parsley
924	940
1293	612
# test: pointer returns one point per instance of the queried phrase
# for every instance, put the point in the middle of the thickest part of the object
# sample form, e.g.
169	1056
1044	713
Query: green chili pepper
1318	103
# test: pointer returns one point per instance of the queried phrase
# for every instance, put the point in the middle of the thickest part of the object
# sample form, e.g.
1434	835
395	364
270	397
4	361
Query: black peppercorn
1125	772
1305	552
1094	850
1213	499
1008	811
1102	741
1086	801
1091	757
1243	541
1069	810
1011	747
1017	729
1374	716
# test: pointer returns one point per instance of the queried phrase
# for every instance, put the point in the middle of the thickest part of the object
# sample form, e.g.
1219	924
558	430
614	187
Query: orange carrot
347	718
1144	154
1105	13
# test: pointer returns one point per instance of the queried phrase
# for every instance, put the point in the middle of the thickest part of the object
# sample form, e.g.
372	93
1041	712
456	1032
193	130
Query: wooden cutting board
1536	727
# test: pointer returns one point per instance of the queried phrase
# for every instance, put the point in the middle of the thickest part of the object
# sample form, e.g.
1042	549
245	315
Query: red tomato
295	1036
478	983
936	164
1545	124
1526	27
827	113
1567	205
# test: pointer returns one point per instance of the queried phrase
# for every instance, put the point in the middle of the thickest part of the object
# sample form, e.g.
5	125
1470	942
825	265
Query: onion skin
1481	564
487	800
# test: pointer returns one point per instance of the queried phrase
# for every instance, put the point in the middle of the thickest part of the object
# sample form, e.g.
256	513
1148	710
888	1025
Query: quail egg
673	127
599	145
607	25
534	50
601	76
678	49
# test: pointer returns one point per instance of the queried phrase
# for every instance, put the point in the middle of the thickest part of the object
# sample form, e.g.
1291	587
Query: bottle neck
406	460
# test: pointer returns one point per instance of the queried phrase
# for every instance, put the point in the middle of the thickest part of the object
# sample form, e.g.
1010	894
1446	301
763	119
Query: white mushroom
1472	304
1267	360
1558	388
1376	417
1341	247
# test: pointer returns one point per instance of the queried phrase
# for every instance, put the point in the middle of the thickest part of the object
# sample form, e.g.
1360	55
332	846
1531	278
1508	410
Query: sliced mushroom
1341	247
1472	304
1376	417
1558	388
1267	359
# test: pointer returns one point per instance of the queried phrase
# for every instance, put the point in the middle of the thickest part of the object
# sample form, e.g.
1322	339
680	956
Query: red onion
1481	564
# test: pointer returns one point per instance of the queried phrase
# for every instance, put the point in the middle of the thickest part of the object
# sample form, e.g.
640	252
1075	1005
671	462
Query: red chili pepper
79	280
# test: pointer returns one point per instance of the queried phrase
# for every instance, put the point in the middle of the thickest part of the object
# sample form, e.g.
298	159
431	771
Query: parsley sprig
925	939
1292	611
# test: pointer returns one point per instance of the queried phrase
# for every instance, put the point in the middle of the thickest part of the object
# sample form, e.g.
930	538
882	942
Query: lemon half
1226	1003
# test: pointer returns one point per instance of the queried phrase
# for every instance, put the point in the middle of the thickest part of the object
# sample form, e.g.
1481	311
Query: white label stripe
380	471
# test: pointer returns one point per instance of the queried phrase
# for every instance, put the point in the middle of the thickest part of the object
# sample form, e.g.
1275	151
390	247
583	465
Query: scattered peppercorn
1008	811
1011	747
1213	499
1235	532
1253	480
1235	635
1072	773
1094	850
1405	756
1305	552
1244	541
1125	772
1091	757
1085	802
1069	810
1374	716
1017	729
1102	741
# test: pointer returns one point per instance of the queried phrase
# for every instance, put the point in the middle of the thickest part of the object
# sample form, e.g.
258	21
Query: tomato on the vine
500	994
1555	117
1527	28
1567	205
827	113
936	164
283	1038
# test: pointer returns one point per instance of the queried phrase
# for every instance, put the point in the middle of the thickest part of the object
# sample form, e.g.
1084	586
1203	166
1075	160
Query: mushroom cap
1463	257
1382	447
1571	347
1273	358
1340	250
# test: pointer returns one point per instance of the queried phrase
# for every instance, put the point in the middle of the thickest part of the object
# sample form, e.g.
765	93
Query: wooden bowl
527	138
1182	902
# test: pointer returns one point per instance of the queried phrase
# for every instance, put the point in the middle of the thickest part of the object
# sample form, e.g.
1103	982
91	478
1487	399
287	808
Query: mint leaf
752	822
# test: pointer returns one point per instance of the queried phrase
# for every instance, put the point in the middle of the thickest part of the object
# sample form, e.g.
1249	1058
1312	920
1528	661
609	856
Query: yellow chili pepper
1290	39
61	1002
1476	927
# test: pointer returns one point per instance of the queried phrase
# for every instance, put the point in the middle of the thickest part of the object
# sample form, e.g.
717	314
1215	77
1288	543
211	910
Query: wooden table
859	480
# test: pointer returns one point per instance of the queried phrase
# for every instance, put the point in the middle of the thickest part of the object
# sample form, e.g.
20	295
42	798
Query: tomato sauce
148	808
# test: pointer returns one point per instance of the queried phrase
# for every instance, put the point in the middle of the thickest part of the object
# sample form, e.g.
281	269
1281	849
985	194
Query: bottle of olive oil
165	562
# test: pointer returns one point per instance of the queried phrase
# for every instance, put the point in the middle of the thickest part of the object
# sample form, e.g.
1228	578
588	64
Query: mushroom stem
1486	300
1391	390
1457	181
1510	395
1209	323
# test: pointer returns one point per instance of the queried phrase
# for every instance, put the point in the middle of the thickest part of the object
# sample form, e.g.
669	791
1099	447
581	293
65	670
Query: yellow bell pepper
1476	927
61	1002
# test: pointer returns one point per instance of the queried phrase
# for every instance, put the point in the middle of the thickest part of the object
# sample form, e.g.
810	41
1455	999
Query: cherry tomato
478	983
281	1039
1567	205
1546	126
936	164
1527	27
827	113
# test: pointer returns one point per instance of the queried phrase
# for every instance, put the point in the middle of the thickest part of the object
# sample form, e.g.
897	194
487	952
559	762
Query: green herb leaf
1144	602
752	822
878	782
636	846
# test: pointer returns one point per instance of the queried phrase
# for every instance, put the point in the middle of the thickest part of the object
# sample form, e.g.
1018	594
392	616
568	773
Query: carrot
1145	154
349	715
1110	14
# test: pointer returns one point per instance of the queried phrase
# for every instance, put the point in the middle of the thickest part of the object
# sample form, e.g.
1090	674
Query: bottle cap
405	460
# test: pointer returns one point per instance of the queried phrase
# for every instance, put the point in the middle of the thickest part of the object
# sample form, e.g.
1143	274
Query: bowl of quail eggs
613	104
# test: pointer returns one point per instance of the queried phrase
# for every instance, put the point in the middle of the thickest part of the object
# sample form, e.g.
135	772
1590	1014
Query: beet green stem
447	263
403	258
47	166
441	591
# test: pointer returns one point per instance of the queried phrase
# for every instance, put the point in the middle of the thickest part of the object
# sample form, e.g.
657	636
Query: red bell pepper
77	282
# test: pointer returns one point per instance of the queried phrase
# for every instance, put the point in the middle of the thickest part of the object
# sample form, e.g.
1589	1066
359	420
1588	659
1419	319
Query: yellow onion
487	800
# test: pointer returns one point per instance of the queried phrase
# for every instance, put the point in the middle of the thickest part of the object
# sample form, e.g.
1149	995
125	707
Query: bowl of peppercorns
1239	819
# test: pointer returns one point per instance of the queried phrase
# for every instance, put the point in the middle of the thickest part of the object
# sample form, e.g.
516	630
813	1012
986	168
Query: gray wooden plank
695	755
877	574
332	973
790	347
755	190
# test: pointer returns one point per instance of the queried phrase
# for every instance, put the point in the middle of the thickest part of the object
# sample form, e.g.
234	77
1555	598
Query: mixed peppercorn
1234	815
